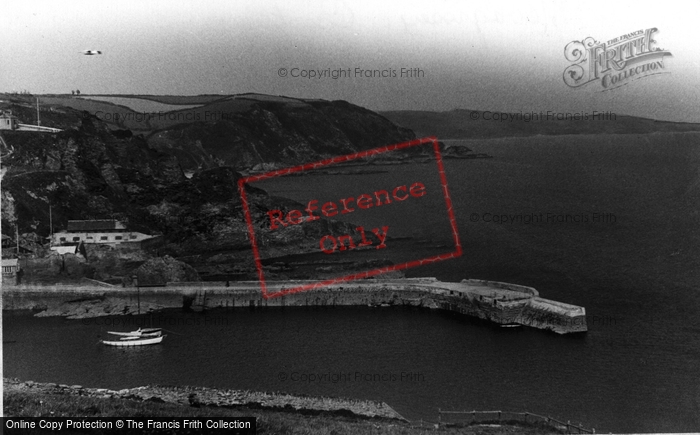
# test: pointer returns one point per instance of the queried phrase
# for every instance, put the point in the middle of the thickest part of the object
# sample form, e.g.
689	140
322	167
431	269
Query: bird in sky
91	52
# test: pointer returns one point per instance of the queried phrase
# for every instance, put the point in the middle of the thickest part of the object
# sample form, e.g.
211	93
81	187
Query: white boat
147	332
134	341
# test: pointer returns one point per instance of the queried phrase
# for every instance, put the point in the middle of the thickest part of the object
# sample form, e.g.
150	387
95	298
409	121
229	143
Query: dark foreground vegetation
23	401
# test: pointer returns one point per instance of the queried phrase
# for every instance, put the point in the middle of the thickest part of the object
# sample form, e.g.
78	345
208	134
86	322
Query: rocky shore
200	396
280	413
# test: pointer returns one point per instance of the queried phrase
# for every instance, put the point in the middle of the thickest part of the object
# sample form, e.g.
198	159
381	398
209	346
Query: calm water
635	370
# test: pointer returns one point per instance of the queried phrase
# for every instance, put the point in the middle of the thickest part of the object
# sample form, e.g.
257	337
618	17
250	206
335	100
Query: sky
496	56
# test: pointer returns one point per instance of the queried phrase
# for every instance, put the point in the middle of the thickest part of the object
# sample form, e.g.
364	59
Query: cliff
239	131
279	133
161	270
90	171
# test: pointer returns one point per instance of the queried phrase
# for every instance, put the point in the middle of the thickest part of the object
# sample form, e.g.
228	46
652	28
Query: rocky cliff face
83	173
241	131
276	133
162	270
92	171
53	268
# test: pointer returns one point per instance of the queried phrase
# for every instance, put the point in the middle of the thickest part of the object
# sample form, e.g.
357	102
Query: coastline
223	398
326	415
500	303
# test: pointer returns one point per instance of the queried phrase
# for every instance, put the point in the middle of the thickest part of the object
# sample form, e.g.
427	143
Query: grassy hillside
167	99
242	131
20	401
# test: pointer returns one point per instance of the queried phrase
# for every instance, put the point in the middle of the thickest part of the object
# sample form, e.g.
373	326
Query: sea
611	223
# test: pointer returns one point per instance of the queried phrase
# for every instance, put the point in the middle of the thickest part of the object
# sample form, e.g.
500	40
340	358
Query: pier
500	303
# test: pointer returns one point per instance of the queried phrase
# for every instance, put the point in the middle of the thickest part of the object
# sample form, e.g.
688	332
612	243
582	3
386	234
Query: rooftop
9	262
64	249
95	225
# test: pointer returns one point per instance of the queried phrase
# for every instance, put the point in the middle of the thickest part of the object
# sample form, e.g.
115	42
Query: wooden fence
476	417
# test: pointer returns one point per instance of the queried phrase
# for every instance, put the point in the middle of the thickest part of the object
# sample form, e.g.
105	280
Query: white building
104	232
7	120
10	266
10	271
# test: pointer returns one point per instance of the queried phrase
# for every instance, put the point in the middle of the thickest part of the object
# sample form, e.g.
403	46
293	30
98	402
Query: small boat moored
145	332
134	341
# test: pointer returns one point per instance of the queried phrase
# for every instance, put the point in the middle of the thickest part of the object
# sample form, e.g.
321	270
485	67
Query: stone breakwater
501	303
200	396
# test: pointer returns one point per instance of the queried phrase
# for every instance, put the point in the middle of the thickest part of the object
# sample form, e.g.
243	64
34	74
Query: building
10	266
103	232
8	121
65	249
10	271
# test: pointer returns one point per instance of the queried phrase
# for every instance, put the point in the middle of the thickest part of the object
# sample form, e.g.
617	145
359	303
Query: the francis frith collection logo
616	62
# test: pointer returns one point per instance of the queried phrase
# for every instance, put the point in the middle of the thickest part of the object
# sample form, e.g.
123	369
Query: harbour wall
501	303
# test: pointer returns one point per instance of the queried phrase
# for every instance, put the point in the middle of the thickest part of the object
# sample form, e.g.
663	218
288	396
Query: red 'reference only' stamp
374	237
